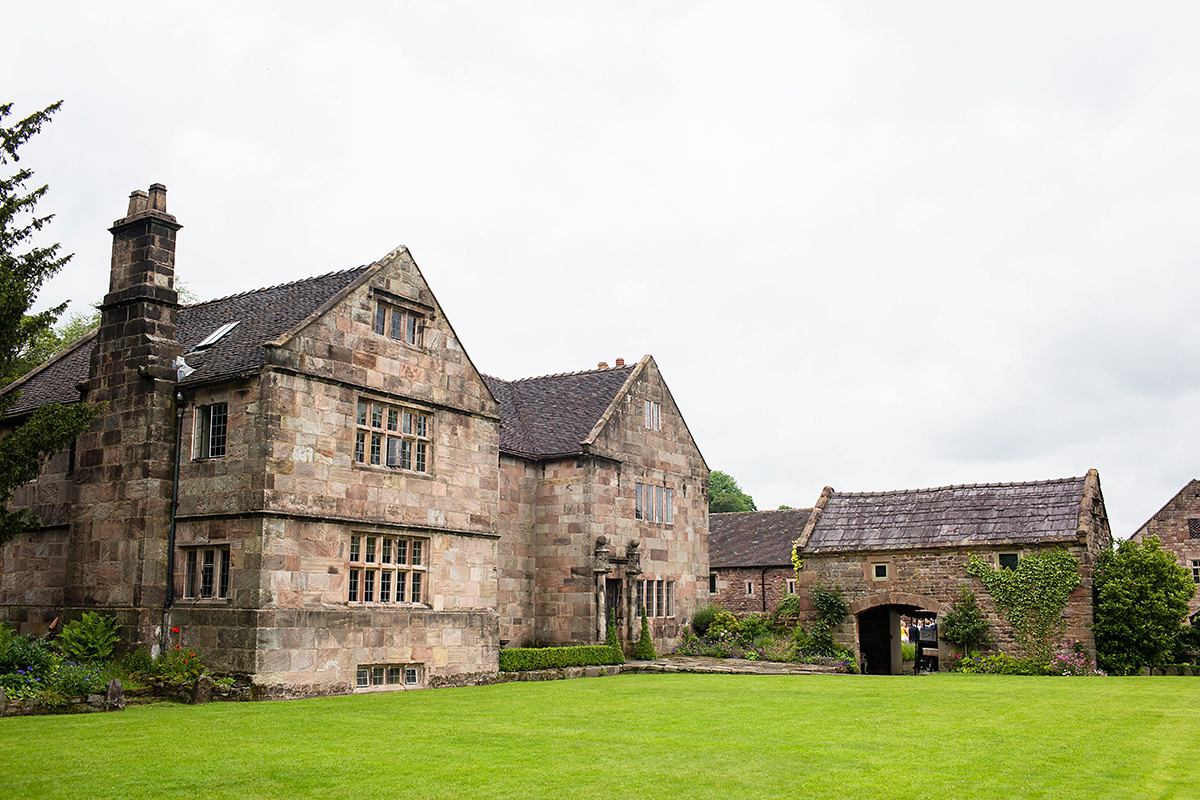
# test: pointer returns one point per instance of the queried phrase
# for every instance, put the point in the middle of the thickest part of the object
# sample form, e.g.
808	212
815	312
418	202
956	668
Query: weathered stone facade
745	590
573	543
1177	526
342	508
905	553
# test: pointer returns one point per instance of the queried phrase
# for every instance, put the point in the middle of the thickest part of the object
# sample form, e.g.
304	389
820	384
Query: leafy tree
24	267
964	626
724	494
1142	599
1032	597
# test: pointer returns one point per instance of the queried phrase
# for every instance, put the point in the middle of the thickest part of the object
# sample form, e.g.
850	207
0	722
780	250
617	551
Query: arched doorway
877	621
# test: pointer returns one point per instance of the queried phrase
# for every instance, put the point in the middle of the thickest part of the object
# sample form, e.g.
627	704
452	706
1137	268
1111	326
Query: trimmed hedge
522	659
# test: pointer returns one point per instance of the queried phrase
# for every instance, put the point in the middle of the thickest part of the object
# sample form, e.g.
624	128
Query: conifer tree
24	267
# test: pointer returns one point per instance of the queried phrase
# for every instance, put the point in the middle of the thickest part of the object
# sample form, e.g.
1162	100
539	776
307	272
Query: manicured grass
689	736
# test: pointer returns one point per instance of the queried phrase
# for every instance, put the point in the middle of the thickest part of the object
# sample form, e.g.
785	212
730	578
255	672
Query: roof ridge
276	286
568	374
996	485
756	511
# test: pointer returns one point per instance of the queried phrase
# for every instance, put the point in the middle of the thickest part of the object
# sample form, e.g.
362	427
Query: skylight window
216	335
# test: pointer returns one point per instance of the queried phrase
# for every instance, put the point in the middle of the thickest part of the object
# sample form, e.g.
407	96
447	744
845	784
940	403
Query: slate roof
551	415
263	315
754	538
950	516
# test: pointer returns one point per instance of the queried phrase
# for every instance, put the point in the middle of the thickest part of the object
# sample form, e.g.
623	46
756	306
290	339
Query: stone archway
877	627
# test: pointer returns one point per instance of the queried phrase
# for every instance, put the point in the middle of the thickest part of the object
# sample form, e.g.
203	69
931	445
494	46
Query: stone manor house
313	484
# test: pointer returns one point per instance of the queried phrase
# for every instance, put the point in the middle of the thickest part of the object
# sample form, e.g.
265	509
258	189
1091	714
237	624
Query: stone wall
1171	527
578	499
770	586
930	580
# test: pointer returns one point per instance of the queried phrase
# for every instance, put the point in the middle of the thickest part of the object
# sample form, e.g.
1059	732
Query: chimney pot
602	365
620	362
158	197
137	202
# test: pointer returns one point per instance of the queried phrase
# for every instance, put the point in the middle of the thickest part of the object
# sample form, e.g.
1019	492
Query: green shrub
831	610
91	638
998	664
751	626
138	662
614	641
908	651
179	665
225	681
964	626
645	646
704	617
786	614
73	679
723	622
523	659
18	652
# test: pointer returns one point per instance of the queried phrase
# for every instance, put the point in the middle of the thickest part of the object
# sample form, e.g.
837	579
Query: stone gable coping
1192	485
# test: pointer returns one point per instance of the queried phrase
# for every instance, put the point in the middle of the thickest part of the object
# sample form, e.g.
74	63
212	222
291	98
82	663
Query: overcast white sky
871	245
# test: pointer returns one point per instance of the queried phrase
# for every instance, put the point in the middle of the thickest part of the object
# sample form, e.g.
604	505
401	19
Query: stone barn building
905	553
749	557
313	484
1177	526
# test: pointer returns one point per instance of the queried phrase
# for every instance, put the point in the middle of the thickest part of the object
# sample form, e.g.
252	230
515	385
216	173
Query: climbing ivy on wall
1032	597
831	610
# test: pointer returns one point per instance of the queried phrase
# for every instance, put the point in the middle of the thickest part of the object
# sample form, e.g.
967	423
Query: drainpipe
762	582
170	598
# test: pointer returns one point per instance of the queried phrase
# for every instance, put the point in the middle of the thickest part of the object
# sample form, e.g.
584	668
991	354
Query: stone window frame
868	570
749	588
1002	557
196	558
881	571
661	509
657	596
388	315
380	565
651	415
210	431
790	586
712	583
393	437
388	677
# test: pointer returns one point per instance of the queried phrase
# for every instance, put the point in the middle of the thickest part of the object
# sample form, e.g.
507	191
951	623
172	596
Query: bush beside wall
522	659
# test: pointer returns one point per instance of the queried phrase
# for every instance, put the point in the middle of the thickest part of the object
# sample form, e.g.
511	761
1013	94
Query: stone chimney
620	362
121	493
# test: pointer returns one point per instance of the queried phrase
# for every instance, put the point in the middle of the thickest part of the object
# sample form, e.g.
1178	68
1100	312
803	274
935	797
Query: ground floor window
386	569
206	572
657	597
383	676
791	586
712	583
749	588
1009	560
1196	571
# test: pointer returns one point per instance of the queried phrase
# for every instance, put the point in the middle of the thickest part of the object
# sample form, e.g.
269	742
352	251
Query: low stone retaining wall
563	673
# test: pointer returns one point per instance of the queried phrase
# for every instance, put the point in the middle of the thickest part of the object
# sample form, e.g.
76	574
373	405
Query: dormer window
215	336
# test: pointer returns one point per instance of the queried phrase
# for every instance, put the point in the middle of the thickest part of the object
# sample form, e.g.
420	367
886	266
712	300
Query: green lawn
938	736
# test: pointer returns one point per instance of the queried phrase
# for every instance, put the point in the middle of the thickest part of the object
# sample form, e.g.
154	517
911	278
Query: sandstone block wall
1174	532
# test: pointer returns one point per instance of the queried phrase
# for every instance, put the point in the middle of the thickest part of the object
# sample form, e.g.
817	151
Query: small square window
879	572
377	676
410	675
363	677
1194	528
1009	560
393	675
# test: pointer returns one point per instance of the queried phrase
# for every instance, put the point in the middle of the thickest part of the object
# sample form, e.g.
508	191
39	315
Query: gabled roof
263	315
1193	486
553	415
949	516
754	538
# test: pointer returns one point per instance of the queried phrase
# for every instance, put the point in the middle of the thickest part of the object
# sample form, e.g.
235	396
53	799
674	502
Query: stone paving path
725	666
